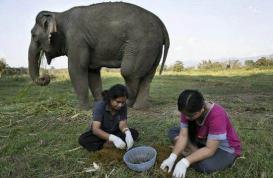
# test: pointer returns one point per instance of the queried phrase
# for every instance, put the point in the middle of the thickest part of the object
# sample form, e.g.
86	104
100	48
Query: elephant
109	34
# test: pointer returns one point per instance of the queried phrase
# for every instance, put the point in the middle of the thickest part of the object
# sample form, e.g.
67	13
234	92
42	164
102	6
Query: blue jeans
219	161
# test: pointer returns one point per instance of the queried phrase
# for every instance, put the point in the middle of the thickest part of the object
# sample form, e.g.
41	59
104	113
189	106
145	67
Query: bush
177	67
264	62
249	63
3	66
208	64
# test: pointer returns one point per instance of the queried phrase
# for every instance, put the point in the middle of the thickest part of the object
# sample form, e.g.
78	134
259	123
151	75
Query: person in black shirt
110	122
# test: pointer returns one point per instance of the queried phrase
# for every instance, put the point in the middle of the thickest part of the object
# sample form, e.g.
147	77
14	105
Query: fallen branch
108	176
74	149
76	115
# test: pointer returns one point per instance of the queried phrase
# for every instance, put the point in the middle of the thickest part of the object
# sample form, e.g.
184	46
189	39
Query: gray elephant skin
112	35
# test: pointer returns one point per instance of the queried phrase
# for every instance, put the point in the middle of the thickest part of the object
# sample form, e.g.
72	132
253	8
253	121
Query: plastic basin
140	158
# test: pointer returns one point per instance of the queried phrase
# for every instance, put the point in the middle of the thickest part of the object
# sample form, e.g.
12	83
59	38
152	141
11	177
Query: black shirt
109	122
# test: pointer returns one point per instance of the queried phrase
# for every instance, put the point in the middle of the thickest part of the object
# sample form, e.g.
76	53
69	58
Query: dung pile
113	156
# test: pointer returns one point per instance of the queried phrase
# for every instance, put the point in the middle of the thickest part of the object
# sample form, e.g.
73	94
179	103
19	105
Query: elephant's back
108	28
118	15
119	8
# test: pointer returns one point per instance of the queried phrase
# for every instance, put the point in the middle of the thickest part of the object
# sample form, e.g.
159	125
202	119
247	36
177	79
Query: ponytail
192	127
105	95
191	101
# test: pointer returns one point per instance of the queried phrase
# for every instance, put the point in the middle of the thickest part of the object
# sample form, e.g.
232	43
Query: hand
129	139
169	162
118	142
181	168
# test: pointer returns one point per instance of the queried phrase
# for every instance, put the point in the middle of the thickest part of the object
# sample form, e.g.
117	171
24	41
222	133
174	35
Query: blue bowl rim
127	162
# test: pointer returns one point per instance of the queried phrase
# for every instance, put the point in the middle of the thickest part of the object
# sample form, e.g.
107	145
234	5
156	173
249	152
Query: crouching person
110	122
207	134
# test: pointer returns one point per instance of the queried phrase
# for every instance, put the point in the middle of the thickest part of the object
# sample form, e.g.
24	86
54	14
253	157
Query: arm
98	131
182	141
128	136
201	154
204	152
123	125
123	120
217	131
106	136
180	145
98	112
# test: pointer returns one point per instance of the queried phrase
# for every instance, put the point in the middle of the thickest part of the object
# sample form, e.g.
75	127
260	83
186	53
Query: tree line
178	66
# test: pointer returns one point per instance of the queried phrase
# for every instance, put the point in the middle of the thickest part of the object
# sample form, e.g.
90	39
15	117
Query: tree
204	64
3	66
178	66
234	64
208	64
265	62
261	62
249	63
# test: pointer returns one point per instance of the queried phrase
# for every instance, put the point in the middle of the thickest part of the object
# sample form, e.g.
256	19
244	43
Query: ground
39	126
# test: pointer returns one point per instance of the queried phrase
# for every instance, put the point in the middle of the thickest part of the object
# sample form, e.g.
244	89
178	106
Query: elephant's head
44	40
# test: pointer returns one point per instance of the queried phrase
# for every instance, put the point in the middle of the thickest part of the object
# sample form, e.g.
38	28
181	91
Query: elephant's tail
166	46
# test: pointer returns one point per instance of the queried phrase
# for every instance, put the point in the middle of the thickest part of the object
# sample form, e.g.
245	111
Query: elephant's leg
131	79
142	98
95	83
78	72
132	86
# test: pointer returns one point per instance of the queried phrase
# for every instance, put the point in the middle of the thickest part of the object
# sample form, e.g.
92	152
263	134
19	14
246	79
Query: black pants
92	142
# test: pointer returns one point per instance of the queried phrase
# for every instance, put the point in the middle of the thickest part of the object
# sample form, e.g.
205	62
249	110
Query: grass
39	126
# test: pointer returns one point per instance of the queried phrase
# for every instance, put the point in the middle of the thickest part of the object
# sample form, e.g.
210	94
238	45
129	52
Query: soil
112	156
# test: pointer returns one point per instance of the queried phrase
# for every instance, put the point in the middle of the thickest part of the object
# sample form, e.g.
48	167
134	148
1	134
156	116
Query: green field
39	126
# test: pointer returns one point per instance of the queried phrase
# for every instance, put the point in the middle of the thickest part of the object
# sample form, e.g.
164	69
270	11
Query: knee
125	71
173	132
81	140
134	133
204	167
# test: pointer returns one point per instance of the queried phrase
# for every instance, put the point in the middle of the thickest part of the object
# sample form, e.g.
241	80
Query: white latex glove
169	162
118	142
181	168
129	139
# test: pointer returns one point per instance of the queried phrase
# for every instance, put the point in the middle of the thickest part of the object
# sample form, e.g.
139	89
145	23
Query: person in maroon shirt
207	132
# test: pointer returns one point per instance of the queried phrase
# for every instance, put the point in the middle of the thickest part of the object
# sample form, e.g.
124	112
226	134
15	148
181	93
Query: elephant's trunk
34	60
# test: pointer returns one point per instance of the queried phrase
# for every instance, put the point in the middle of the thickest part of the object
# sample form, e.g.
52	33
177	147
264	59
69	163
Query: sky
198	29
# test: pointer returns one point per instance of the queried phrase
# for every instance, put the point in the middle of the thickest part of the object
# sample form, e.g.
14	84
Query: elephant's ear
49	25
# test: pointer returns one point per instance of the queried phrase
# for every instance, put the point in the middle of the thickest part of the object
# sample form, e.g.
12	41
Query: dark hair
191	101
114	92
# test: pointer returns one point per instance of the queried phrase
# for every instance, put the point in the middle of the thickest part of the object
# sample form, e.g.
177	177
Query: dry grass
39	126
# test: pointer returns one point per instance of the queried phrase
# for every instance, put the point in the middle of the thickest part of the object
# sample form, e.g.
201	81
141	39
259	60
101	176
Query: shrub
177	67
3	66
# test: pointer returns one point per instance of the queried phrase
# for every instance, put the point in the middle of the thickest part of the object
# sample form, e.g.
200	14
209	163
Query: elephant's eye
34	37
